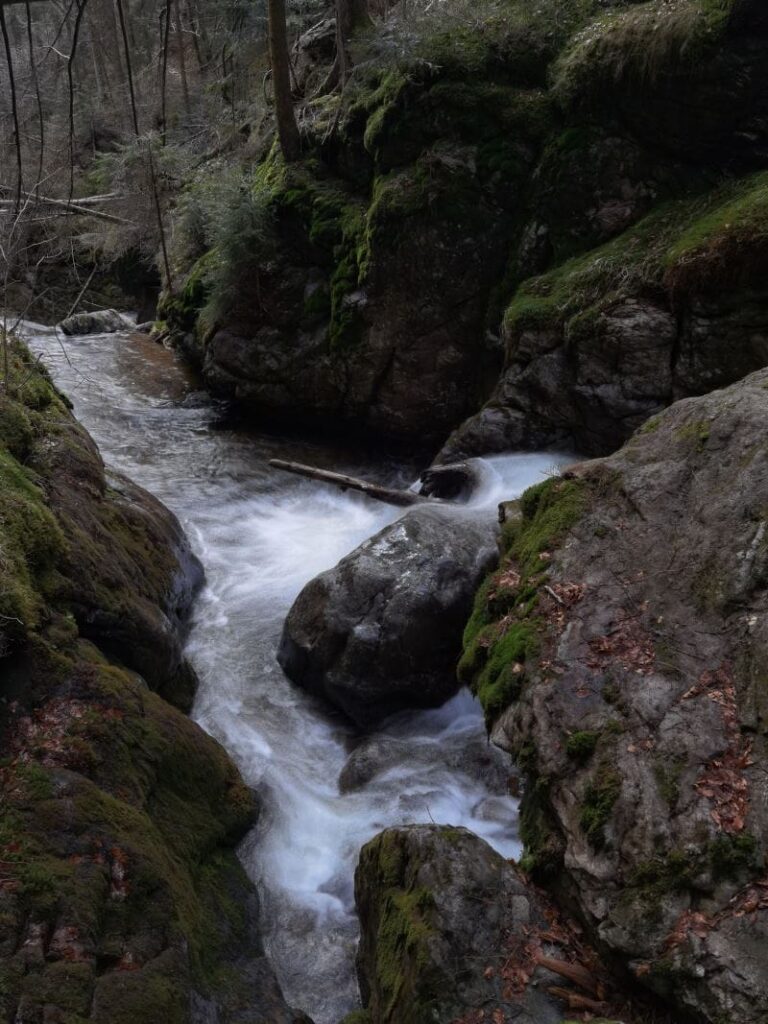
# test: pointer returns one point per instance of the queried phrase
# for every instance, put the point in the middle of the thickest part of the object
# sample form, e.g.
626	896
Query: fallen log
350	483
71	208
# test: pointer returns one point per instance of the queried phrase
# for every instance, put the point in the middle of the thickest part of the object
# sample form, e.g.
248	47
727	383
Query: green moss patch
581	745
601	794
403	990
638	45
505	630
683	247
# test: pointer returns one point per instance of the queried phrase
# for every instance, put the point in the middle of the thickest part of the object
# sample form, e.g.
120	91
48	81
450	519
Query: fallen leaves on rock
628	644
722	781
556	947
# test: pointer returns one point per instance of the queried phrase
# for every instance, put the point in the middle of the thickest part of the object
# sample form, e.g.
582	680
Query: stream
261	535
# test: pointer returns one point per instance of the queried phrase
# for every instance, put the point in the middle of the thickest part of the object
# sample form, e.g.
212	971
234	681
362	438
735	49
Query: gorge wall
557	210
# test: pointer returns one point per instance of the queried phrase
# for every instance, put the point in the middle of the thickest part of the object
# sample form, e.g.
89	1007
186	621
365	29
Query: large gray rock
449	929
380	632
643	703
102	321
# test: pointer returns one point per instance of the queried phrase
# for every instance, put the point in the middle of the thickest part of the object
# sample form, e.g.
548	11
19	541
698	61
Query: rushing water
261	536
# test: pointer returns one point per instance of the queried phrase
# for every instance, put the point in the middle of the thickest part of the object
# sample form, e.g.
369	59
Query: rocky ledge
619	652
121	898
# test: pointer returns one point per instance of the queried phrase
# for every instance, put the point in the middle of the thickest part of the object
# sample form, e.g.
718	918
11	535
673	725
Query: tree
351	17
287	129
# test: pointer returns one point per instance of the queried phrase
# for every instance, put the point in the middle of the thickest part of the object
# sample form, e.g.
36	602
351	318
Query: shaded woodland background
118	106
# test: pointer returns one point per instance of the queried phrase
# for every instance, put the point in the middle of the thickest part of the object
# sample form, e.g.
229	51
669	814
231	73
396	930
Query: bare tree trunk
150	158
38	97
351	16
166	26
182	56
287	129
14	108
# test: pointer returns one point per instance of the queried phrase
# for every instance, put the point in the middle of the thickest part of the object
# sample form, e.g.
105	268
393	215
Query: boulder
620	652
451	932
380	631
102	321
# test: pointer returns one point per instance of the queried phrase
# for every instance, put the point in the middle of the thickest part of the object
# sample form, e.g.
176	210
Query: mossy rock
120	815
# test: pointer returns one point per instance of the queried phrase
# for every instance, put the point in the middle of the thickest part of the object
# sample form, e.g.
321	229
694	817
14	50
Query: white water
261	535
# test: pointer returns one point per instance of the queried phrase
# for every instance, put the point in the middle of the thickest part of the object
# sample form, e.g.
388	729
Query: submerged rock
380	631
102	321
457	481
620	651
449	929
378	754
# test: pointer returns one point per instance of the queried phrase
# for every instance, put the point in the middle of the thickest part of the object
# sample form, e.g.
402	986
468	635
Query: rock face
592	170
619	651
446	923
589	373
103	321
378	633
121	897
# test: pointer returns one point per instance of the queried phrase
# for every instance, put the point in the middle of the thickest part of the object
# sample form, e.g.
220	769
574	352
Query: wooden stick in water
350	483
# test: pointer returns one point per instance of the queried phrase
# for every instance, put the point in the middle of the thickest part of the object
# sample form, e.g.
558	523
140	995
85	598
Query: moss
739	207
655	878
667	771
505	632
542	856
581	745
358	1017
686	246
66	986
500	680
317	305
16	431
636	46
401	947
725	858
31	542
601	794
36	781
650	426
550	510
707	589
694	434
152	994
731	855
517	44
402	988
